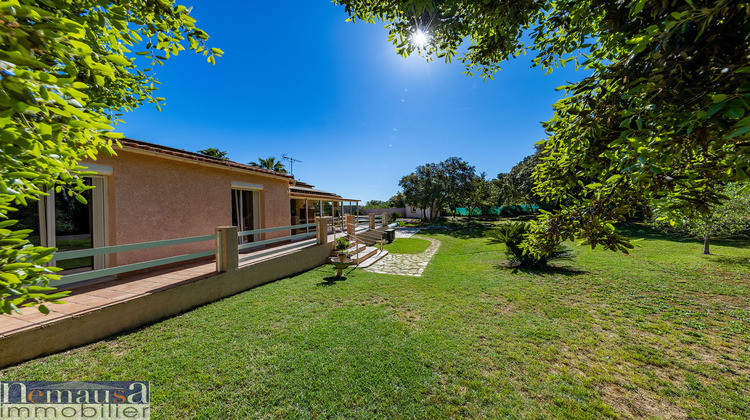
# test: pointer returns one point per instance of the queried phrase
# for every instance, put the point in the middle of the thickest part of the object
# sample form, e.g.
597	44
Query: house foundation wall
95	325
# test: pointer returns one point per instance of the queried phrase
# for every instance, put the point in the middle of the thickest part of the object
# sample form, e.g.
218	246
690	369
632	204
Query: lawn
407	246
662	332
73	244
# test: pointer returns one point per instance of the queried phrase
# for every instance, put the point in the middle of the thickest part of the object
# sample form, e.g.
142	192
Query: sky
297	79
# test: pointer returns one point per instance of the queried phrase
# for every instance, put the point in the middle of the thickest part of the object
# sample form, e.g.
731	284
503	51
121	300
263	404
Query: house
150	192
414	212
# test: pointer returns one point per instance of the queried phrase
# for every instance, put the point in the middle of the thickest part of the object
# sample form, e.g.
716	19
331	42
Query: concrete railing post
385	219
372	221
322	230
350	224
227	253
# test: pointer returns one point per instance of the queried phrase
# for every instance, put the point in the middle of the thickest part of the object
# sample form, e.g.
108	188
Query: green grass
662	332
71	244
407	246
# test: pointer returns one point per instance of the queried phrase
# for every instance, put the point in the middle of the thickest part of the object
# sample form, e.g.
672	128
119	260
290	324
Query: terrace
111	300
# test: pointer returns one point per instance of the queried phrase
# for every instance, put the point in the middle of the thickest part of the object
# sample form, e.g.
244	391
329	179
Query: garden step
353	249
363	255
373	259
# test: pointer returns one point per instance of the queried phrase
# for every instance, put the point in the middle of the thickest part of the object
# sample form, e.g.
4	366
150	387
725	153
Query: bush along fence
504	211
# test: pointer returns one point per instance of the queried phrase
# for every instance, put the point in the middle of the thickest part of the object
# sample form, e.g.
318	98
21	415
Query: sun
420	39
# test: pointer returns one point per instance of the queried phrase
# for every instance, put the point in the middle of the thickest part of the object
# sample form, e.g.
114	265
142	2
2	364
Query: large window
59	220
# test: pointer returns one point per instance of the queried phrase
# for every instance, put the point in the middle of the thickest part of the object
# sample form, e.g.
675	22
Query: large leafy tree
662	115
424	188
730	217
458	175
436	185
521	178
67	74
481	194
397	201
270	163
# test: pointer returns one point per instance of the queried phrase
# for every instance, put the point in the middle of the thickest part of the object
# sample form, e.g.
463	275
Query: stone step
363	255
353	249
373	259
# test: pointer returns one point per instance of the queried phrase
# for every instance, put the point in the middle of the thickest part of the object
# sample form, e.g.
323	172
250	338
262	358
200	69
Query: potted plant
344	256
341	245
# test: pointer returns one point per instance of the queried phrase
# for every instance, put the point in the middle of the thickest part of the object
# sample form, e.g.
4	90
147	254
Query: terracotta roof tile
184	154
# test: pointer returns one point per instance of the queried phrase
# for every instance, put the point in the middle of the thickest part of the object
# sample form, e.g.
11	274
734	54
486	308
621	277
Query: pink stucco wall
153	198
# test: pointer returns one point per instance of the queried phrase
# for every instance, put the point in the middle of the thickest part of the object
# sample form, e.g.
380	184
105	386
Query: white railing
257	244
103	272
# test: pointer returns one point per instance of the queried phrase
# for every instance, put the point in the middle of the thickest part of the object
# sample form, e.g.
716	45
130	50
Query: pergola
307	203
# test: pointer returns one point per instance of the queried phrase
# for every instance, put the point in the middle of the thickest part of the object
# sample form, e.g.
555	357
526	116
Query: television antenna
291	162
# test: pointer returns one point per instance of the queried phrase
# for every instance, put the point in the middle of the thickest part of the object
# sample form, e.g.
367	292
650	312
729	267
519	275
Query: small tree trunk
706	241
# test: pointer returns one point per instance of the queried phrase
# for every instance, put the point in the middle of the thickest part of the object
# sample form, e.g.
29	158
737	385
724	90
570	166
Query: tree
521	178
67	76
375	204
417	188
481	194
729	218
397	201
433	185
270	163
214	152
458	181
505	194
662	114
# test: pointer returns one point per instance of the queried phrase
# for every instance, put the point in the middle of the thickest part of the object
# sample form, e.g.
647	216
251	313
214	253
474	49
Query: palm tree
270	163
214	152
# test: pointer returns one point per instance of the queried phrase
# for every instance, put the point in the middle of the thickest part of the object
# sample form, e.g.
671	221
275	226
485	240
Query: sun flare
420	39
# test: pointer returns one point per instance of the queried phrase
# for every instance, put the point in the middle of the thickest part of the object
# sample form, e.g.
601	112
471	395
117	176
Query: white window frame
255	189
100	222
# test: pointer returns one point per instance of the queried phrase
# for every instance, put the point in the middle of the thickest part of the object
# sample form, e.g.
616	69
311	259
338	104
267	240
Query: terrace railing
104	272
222	246
257	244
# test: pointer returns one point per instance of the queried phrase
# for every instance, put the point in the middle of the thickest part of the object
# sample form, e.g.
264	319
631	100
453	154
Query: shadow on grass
330	281
725	260
550	270
464	233
639	230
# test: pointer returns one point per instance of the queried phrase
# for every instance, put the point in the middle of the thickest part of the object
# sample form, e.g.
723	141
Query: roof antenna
291	162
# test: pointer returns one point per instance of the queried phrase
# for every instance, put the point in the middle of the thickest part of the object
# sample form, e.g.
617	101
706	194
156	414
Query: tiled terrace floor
93	295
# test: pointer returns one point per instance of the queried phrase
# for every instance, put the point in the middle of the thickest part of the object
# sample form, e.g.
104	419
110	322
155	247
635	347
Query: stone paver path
406	232
406	264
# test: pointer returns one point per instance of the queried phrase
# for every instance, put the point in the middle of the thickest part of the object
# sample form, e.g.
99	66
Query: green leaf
118	59
740	131
733	111
719	98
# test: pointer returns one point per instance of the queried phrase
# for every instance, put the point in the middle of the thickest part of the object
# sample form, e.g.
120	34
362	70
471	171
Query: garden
661	332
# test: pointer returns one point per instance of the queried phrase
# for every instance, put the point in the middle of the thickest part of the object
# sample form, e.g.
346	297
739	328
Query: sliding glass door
245	213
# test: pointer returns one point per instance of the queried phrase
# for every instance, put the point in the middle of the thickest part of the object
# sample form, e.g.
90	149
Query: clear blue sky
297	79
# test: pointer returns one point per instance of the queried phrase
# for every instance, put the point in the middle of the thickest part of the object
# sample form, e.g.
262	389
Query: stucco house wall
416	212
401	211
152	197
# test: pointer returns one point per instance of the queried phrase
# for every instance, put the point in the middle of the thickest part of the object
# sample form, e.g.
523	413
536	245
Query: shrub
512	234
393	216
341	244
